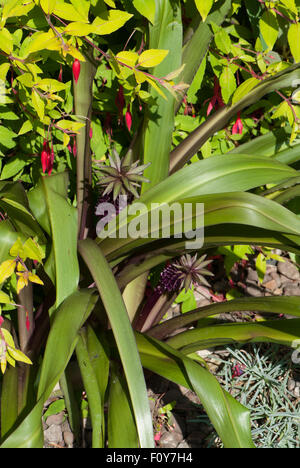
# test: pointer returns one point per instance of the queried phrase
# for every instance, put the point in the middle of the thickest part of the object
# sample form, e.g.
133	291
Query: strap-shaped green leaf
66	322
230	419
123	333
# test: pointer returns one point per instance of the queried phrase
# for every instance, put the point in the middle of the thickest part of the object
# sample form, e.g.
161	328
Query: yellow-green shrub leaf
4	298
294	40
8	338
33	250
146	9
18	355
48	6
227	83
127	57
110	22
78	11
6	269
17	249
6	41
78	28
269	28
42	41
51	86
204	7
152	57
244	89
4	67
38	104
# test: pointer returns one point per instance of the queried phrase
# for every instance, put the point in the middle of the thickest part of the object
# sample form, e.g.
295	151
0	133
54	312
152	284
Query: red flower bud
237	129
76	70
128	119
91	132
44	160
60	74
1	320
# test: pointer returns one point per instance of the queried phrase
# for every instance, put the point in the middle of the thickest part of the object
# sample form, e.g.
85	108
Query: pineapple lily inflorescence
122	176
184	273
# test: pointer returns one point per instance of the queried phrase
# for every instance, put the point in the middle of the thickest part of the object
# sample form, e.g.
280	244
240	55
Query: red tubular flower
1	320
128	119
217	101
76	70
47	158
237	129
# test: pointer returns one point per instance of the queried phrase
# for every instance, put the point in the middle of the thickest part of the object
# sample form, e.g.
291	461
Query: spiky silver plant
122	176
184	273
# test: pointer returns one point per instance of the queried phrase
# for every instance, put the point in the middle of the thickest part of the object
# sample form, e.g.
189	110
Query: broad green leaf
9	400
293	38
230	419
152	57
269	28
146	9
110	22
204	7
122	330
165	34
92	390
66	321
283	332
121	425
6	41
58	218
271	305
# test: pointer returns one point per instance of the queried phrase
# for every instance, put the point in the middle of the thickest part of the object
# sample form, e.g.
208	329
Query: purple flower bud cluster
170	279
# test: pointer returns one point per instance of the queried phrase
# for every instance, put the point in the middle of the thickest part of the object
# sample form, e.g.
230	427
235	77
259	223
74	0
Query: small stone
68	438
53	434
55	419
271	285
297	392
170	439
252	275
184	444
254	291
289	270
291	384
292	290
278	292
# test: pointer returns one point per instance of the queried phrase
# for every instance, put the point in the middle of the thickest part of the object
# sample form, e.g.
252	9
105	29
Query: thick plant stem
83	98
